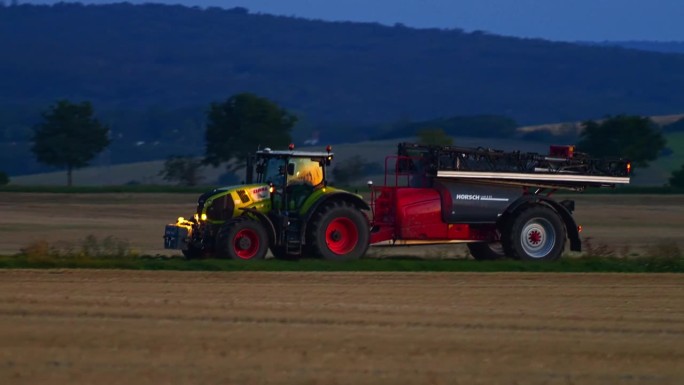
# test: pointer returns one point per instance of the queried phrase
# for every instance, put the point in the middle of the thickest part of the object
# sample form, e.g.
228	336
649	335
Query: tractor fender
563	209
344	196
265	221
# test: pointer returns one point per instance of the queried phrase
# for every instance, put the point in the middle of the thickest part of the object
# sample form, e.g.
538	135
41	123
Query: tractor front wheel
339	232
242	239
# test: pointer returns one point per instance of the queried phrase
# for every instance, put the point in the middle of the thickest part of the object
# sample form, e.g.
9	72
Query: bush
184	170
89	247
4	179
677	178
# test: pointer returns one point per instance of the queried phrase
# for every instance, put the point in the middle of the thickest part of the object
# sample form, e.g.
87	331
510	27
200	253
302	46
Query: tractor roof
294	154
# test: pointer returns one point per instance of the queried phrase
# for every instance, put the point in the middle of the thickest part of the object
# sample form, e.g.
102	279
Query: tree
633	137
69	136
434	136
182	169
236	127
677	178
4	179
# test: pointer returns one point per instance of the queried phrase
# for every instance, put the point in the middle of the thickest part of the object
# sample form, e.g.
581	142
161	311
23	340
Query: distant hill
134	56
151	71
652	46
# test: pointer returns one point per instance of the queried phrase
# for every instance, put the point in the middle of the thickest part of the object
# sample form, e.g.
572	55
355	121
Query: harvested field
101	327
626	223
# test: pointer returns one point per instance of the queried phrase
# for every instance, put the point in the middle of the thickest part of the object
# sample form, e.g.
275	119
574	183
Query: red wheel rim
341	236
246	243
534	237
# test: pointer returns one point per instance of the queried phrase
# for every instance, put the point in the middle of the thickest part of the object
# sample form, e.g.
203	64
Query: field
62	326
127	327
627	224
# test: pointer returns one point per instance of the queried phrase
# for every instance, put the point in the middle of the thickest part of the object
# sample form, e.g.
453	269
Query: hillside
126	56
151	71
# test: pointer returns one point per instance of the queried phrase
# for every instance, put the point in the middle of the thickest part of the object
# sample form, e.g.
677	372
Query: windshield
306	171
274	171
301	171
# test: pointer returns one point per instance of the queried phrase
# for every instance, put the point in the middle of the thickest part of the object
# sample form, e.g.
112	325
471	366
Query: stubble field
129	327
625	223
126	327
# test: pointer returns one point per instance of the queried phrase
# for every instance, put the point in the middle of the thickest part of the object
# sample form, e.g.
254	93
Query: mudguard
330	196
265	221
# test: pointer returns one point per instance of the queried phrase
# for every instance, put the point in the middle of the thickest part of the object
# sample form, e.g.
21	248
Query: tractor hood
227	202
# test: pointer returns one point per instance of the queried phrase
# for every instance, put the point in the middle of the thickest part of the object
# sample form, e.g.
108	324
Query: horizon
555	20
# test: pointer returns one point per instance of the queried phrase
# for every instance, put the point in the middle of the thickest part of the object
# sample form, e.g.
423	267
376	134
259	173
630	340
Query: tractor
499	203
286	207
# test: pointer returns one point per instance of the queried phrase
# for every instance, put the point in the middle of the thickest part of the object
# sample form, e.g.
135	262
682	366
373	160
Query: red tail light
562	151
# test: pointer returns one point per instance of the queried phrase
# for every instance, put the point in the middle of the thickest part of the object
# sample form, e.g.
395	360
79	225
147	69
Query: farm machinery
499	203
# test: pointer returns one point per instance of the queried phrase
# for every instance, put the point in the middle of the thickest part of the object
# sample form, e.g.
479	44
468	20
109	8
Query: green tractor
287	208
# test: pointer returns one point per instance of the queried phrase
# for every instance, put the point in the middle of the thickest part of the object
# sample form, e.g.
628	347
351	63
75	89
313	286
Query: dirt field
627	223
125	327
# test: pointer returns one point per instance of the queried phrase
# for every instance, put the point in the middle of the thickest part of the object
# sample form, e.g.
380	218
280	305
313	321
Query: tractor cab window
304	171
273	170
303	176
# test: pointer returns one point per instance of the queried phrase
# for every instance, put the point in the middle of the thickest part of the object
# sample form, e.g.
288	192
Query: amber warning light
629	167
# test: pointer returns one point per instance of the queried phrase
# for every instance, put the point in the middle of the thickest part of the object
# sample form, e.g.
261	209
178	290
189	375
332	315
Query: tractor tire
483	251
535	233
338	232
242	239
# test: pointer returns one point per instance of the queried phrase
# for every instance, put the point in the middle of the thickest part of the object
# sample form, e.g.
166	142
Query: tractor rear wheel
339	232
535	233
483	251
242	239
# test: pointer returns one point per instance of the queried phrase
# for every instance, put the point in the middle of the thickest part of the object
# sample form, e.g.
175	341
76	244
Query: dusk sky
568	20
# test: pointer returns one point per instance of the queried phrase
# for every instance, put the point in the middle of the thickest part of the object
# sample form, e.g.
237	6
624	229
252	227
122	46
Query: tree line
70	136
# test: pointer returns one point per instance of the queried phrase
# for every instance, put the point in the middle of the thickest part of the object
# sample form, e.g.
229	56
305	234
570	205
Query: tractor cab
292	176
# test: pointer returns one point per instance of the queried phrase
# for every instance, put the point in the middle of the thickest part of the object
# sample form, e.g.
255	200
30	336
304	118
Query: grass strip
578	265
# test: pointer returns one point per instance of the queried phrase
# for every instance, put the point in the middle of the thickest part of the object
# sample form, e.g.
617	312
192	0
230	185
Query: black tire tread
511	236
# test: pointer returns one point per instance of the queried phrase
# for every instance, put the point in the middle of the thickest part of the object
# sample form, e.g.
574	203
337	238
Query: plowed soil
126	327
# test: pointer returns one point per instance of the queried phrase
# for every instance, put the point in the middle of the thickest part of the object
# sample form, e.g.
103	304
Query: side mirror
290	169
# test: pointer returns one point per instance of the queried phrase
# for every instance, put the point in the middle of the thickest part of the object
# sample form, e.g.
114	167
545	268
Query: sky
561	20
